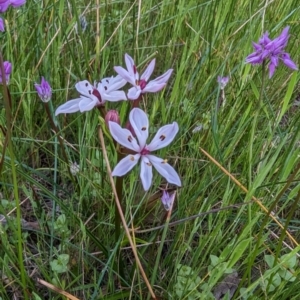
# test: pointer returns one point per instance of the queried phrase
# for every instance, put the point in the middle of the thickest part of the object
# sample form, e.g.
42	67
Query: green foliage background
255	139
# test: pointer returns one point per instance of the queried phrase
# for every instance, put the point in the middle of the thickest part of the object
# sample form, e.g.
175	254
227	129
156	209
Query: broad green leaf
290	263
287	275
269	260
214	259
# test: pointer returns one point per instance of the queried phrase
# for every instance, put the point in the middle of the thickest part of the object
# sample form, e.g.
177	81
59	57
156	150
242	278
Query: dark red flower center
142	84
145	151
97	94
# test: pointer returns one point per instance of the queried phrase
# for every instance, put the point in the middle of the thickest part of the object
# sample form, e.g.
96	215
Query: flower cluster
4	5
108	88
133	138
272	51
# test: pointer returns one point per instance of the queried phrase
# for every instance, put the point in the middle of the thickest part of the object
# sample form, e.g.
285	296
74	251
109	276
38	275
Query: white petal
164	77
165	170
89	91
153	87
84	88
68	107
125	74
134	93
123	136
164	136
125	165
116	83
130	64
114	96
146	173
140	124
87	104
149	70
104	81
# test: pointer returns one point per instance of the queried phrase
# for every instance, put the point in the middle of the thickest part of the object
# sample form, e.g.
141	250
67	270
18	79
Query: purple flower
167	200
4	4
92	96
44	90
17	3
223	81
273	51
140	124
2	28
7	70
140	83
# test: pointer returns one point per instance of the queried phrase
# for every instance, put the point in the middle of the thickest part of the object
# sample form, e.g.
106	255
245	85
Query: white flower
92	96
141	84
140	124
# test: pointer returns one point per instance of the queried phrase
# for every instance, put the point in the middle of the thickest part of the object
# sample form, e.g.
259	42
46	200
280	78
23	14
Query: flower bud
7	70
112	116
167	200
44	90
223	81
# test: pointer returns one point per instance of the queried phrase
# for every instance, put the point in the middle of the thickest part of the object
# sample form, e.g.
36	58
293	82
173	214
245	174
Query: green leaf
288	95
60	265
269	260
287	275
35	296
290	263
238	251
271	286
228	249
245	294
254	89
214	259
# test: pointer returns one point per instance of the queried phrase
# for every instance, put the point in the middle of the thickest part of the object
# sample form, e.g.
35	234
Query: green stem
253	129
119	185
7	105
252	138
119	189
160	248
61	142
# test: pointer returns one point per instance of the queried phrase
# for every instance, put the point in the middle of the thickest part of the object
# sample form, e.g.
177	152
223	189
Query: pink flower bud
113	116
